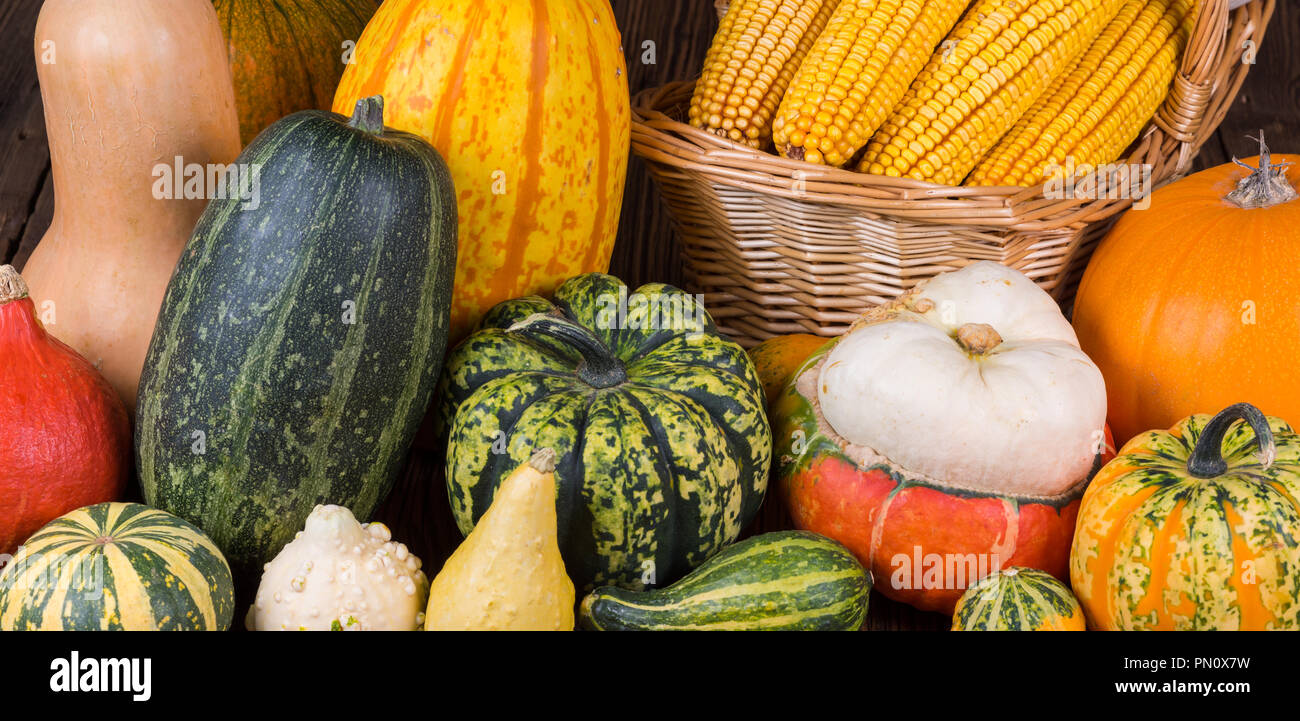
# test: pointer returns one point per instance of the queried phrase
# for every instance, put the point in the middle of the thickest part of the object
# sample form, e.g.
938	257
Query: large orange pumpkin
1194	303
528	102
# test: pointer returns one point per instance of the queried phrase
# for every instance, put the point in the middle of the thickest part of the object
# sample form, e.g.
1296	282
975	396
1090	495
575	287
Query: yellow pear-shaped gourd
508	574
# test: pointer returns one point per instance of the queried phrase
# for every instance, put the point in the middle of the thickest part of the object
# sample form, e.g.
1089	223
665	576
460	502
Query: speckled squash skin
117	567
287	55
882	513
528	102
1160	548
658	422
1018	599
300	340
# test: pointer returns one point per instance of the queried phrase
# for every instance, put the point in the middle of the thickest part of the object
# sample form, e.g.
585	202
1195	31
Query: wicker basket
780	246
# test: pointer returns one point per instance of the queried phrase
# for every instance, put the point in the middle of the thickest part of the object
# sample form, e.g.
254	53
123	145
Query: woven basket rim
1210	74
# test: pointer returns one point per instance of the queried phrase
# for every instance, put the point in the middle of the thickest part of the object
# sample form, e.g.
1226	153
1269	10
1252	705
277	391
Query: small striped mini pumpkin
117	567
1018	599
1194	529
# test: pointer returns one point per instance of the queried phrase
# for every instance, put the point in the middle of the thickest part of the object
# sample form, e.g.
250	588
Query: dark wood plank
663	41
1269	99
24	153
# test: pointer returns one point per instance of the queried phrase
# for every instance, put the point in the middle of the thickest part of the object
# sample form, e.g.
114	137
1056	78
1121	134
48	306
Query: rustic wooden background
674	35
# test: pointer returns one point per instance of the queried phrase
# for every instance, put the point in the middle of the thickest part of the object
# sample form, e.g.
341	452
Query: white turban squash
948	434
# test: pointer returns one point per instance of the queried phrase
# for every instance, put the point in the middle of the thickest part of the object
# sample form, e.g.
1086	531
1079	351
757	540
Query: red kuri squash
1194	303
64	441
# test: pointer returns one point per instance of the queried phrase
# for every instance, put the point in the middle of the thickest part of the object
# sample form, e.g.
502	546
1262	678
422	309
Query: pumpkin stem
369	115
978	338
543	461
12	285
599	367
1207	457
1266	185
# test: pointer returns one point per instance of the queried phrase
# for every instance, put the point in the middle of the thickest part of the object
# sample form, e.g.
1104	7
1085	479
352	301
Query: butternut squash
130	87
508	575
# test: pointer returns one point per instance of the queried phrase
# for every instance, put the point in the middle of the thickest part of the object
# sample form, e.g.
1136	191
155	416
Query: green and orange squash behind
777	357
117	567
1194	528
1018	599
657	420
288	55
528	102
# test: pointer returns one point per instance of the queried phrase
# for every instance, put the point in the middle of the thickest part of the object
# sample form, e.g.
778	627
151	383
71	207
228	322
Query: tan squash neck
134	86
1266	185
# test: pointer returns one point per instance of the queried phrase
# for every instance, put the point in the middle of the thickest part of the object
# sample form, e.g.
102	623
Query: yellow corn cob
754	55
1002	56
1100	106
856	73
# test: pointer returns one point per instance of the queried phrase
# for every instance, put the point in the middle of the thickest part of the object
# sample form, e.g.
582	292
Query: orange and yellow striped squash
1195	528
527	100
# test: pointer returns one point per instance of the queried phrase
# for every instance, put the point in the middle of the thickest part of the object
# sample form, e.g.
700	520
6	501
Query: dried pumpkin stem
1266	185
12	285
1207	461
543	461
978	338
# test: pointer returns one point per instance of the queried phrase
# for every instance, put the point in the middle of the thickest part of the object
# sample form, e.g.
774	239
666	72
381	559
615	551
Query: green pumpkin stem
599	368
1207	461
1266	185
369	115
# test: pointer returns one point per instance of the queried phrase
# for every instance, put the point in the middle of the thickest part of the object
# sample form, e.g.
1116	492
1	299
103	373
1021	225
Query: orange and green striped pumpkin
1018	599
1194	528
527	100
117	567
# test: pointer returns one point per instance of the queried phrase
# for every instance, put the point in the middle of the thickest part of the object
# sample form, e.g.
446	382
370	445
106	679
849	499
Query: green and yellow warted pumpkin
1018	599
663	446
117	567
1194	528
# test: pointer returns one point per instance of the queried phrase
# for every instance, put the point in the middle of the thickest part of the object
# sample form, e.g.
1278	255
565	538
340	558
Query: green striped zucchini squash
657	420
301	336
1018	599
117	567
782	581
